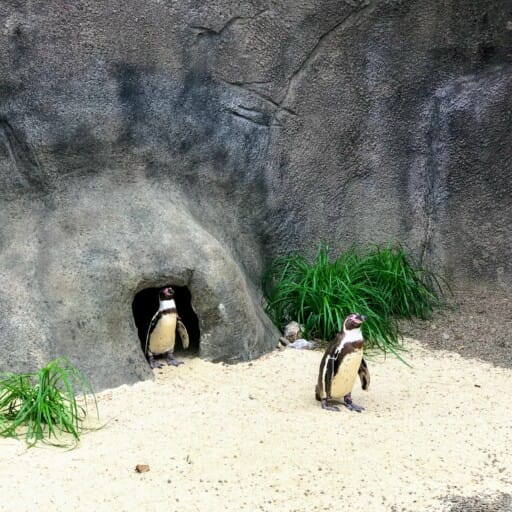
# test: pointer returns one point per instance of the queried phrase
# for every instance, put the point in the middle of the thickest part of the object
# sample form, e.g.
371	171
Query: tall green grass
382	283
43	404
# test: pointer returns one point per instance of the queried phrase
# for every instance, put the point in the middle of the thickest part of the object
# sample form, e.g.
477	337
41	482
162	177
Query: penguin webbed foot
154	364
328	407
350	405
171	361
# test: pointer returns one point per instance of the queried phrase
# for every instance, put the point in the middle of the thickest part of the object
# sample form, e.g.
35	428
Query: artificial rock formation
144	144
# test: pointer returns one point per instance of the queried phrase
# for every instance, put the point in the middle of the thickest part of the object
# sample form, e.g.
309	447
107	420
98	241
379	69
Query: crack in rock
253	115
267	115
347	21
212	32
23	158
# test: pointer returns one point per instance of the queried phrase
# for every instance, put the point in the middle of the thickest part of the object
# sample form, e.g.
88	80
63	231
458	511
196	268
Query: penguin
161	335
341	363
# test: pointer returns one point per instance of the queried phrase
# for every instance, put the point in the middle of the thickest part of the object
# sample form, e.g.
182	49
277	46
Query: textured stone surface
156	142
87	257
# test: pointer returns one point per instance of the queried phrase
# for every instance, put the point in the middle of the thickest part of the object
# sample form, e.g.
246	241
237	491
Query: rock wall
162	142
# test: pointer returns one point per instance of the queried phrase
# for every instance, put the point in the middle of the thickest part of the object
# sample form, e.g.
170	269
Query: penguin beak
359	319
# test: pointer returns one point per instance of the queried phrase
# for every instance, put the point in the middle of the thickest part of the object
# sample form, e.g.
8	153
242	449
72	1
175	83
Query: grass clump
382	283
41	405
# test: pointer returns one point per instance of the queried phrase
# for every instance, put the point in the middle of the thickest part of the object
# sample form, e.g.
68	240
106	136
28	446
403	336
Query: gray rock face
89	255
144	144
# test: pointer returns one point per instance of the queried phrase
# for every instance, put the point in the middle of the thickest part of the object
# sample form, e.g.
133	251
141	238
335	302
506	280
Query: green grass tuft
43	404
382	283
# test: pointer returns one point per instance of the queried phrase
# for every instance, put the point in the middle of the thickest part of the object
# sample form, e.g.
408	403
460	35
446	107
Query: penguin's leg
323	394
171	361
349	404
152	362
327	406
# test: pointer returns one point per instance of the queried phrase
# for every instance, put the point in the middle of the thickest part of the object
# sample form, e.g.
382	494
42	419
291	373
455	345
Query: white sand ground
251	437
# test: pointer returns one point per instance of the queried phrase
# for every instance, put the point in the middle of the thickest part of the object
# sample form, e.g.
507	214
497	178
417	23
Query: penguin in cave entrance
165	321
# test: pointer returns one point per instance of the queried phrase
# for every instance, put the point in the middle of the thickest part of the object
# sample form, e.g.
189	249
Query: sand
251	437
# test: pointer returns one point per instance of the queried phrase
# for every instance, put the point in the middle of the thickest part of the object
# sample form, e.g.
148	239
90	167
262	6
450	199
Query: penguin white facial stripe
348	337
167	304
351	336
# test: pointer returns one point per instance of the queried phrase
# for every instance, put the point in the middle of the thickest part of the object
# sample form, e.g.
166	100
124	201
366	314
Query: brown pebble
142	468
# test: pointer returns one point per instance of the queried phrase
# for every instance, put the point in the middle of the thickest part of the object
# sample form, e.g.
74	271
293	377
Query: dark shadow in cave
145	305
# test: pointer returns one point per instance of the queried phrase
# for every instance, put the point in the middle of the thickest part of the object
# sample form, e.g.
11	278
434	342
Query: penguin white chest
162	338
343	381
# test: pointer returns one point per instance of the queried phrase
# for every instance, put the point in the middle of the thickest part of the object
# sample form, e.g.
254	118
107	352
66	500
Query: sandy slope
252	437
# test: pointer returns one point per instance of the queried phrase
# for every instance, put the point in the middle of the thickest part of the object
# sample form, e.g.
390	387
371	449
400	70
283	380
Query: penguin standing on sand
161	335
341	363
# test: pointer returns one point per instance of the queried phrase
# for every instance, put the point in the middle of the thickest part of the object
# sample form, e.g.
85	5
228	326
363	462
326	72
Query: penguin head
353	321
166	293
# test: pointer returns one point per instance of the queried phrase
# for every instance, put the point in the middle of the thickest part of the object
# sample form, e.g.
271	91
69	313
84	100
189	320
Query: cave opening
145	305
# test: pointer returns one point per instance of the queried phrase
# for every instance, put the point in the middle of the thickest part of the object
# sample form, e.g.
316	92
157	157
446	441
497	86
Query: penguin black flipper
147	352
364	375
182	331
